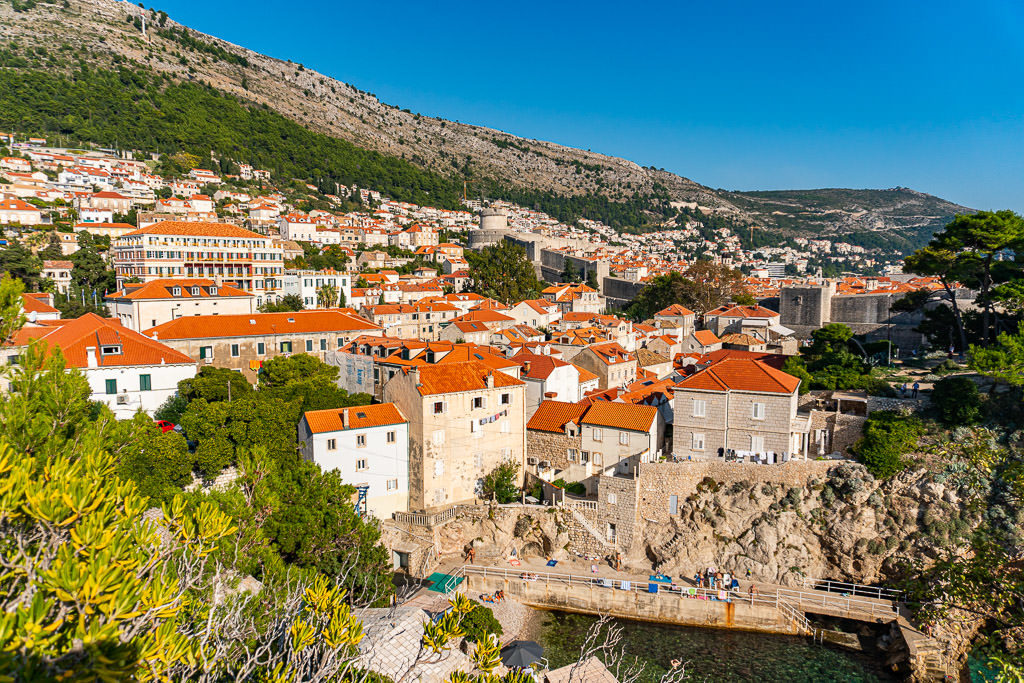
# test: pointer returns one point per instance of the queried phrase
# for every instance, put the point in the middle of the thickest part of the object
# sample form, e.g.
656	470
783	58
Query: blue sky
738	95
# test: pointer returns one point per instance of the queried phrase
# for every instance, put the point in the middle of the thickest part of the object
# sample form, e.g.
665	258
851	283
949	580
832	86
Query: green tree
214	384
569	273
888	437
592	280
159	463
502	272
704	286
288	302
501	484
21	263
957	400
1004	361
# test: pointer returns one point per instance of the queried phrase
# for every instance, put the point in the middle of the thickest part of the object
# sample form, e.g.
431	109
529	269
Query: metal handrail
830	586
849	604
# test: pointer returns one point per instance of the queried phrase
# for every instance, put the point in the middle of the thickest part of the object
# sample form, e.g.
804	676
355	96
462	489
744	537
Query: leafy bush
501	483
958	401
479	623
888	436
576	488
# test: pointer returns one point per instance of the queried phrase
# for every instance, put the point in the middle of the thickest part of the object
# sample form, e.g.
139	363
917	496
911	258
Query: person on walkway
471	554
748	573
698	580
726	580
917	388
903	390
753	593
618	561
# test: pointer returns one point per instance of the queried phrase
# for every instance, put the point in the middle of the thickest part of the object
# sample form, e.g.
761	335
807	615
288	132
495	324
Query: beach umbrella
520	654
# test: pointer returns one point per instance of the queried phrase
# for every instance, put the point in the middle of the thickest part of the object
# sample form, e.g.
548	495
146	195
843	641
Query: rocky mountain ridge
112	33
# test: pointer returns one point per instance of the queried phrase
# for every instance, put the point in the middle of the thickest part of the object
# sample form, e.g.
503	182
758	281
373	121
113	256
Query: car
165	426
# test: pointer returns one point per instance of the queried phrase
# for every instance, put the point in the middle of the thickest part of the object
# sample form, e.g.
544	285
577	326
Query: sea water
714	654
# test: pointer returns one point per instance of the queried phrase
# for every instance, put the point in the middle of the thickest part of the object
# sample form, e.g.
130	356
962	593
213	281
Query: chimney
156	335
90	357
344	418
526	367
550	395
489	380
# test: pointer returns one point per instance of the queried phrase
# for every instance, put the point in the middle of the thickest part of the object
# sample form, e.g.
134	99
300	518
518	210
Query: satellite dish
32	316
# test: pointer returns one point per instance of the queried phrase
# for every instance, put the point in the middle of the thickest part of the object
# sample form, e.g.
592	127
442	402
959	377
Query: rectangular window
598	435
309	345
361	464
323	344
584	457
111	386
506	399
571	454
205	352
438	407
392	484
595	458
360	440
261	348
673	504
286	347
438	437
145	382
506	427
234	350
391	437
698	441
700	407
612	499
624	438
757	444
757	411
479	402
332	444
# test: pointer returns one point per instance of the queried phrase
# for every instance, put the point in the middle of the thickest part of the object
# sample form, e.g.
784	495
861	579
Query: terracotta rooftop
259	324
552	416
741	374
637	418
706	337
456	377
359	417
164	289
197	229
73	337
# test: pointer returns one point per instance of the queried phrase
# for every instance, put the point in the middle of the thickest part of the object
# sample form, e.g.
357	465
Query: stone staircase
666	551
590	530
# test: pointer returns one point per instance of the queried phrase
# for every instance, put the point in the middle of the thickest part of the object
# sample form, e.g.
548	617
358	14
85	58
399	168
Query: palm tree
327	296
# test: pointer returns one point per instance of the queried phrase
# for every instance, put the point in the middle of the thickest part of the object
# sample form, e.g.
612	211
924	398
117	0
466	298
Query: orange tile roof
741	374
706	337
552	416
259	324
197	229
637	418
674	310
75	336
741	339
743	312
162	289
611	353
480	315
540	367
359	417
456	377
585	375
37	303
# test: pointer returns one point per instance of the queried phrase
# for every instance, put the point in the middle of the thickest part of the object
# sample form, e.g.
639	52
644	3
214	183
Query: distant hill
350	136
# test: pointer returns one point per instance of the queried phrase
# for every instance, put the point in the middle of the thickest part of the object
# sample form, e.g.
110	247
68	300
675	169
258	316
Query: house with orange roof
465	419
535	312
244	342
142	305
676	320
38	306
222	252
547	379
368	446
581	441
574	297
411	321
18	212
613	365
758	322
739	406
701	341
125	370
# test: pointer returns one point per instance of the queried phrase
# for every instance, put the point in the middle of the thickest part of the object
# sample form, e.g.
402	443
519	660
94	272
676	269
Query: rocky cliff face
845	526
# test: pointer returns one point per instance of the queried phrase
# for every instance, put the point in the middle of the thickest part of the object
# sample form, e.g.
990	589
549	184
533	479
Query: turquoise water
714	654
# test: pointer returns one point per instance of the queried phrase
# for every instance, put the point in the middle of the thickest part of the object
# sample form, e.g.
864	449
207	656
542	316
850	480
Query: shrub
479	623
888	435
576	488
958	401
501	483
